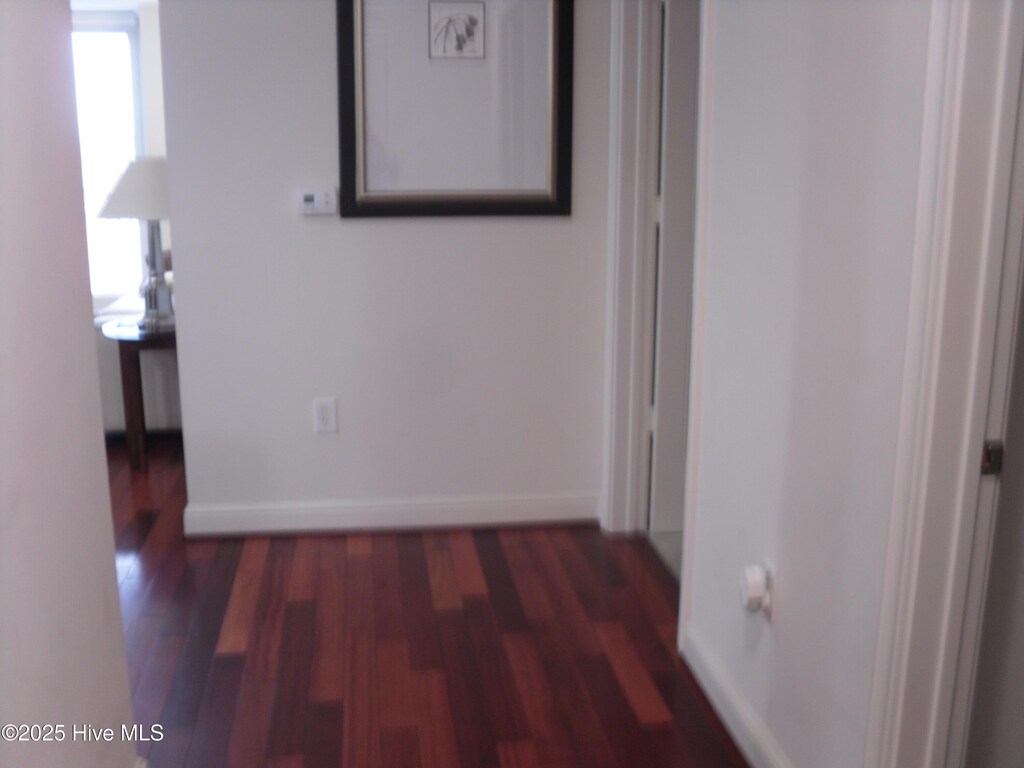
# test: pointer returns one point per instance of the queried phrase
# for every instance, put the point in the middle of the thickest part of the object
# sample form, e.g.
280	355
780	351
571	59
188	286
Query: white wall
61	649
812	119
465	353
152	86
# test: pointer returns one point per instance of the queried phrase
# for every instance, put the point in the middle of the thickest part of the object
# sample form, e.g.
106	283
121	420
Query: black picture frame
356	202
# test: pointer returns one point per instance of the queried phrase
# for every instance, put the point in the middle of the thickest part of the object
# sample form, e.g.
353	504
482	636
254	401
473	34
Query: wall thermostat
317	201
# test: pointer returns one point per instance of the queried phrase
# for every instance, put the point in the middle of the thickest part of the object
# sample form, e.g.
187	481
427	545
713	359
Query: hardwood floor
515	648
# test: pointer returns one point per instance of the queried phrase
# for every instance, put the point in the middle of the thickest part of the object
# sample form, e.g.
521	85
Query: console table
131	340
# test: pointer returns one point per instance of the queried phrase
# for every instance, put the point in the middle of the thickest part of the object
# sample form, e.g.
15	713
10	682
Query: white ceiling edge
110	5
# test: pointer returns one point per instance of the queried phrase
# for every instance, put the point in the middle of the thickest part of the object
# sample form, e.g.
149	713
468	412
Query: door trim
960	257
997	417
632	173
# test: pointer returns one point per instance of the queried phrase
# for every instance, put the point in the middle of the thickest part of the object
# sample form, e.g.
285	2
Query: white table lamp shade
140	193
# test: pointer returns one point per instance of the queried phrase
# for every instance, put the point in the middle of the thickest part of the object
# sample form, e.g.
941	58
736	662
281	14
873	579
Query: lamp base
159	315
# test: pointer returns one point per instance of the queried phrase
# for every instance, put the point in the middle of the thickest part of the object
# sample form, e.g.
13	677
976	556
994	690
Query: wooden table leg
131	392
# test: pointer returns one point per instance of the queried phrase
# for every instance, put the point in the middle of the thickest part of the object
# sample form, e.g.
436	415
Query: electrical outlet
325	414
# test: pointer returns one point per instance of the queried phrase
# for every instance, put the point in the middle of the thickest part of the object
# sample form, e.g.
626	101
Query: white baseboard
748	730
303	516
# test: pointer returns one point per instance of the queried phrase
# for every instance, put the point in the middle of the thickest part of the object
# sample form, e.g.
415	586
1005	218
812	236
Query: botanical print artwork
457	30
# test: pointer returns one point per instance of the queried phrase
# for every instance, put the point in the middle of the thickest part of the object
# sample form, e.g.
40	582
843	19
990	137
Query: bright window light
107	125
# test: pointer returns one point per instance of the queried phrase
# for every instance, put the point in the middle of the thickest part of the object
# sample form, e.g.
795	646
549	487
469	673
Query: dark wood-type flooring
513	648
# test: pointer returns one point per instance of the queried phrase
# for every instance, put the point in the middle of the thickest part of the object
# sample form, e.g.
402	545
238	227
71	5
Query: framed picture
457	30
455	108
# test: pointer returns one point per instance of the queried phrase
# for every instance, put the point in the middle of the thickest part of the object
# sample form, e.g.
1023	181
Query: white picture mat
481	125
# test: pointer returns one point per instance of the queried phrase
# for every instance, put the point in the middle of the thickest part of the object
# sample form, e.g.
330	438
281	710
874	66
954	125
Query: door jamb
997	420
629	300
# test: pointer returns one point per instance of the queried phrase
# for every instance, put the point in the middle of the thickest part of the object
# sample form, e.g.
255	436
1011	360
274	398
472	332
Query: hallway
512	648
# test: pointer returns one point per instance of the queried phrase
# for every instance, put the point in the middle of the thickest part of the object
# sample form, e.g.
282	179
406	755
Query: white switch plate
325	414
317	201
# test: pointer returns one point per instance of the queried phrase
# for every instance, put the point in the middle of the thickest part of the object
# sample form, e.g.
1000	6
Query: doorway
674	28
996	695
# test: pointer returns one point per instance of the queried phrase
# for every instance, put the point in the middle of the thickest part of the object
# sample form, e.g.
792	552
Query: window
109	126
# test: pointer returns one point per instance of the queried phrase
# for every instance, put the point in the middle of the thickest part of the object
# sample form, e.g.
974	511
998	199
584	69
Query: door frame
941	507
640	112
630	308
1004	364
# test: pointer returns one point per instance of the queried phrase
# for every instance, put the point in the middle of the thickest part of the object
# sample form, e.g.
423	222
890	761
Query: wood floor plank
591	593
543	718
560	658
200	550
303	572
652	583
361	738
250	731
468	574
327	676
501	589
400	748
216	713
285	761
134	595
131	536
561	592
287	727
417	603
389	623
437	735
179	610
394	681
629	742
706	739
633	678
593	544
155	682
360	600
529	584
159	563
518	754
323	747
186	694
151	488
359	544
497	694
164	539
237	626
444	587
548	726
140	644
474	736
